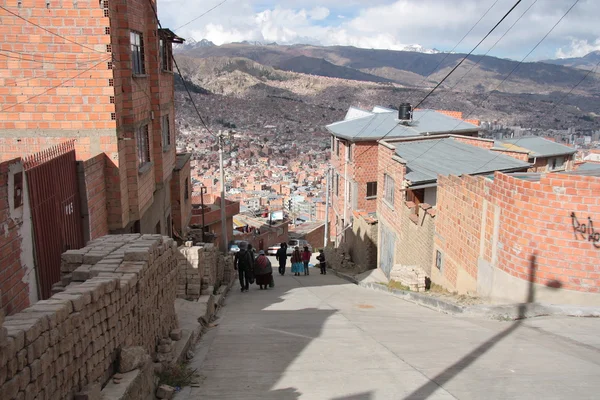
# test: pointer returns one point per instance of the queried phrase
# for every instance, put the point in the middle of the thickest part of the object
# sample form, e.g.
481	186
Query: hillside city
284	200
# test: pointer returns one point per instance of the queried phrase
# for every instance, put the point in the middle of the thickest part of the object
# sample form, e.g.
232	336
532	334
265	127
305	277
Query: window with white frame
388	188
166	132
143	145
137	53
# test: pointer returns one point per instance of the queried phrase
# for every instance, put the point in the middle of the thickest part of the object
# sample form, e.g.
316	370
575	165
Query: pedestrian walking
296	260
263	271
281	256
252	251
306	254
244	264
322	264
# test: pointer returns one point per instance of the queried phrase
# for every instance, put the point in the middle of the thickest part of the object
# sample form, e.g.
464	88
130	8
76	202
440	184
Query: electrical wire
54	87
198	17
49	31
46	62
181	76
471	52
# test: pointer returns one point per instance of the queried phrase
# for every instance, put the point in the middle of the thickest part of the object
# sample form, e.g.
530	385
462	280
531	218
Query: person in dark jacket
263	270
244	264
322	264
281	256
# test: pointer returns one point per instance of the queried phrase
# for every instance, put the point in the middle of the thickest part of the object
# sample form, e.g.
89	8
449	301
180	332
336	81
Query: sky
389	24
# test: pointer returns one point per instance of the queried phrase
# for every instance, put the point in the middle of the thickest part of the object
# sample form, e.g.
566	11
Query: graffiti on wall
586	231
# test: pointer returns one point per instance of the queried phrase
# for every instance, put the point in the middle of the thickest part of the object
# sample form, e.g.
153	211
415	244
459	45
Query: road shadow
455	369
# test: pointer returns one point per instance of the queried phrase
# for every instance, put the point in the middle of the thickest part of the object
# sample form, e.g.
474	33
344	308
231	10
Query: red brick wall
388	213
535	220
13	290
483	143
95	183
365	170
514	154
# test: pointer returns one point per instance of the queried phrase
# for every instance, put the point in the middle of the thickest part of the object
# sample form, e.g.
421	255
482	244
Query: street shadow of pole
452	371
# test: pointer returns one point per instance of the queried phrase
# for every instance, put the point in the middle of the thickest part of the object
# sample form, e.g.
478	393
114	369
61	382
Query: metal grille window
388	188
371	189
143	145
166	63
438	259
137	53
166	132
186	190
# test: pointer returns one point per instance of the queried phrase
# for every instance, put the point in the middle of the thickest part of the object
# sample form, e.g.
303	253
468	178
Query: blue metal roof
536	146
383	123
426	159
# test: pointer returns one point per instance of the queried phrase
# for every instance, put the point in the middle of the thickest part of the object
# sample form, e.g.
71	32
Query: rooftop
426	159
362	125
536	146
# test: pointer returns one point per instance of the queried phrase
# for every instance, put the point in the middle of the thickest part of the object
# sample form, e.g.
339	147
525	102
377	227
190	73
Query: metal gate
54	199
388	244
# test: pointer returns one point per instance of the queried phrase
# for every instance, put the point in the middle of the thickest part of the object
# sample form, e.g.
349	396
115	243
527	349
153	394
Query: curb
505	312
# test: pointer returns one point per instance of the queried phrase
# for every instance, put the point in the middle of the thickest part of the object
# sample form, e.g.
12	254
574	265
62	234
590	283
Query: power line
198	17
46	62
49	31
57	57
471	52
53	87
182	78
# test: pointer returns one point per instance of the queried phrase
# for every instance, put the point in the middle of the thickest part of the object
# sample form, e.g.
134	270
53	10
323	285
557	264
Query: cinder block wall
122	294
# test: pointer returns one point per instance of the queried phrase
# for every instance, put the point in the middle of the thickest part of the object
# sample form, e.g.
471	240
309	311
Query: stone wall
121	293
201	269
414	242
362	241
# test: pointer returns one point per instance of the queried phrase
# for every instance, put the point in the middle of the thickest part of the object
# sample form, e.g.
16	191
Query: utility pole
221	138
325	239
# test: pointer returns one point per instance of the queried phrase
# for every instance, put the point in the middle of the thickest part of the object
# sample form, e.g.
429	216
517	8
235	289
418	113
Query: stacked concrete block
192	265
412	276
119	292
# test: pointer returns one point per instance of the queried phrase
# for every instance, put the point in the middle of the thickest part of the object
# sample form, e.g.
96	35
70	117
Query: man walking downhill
281	256
244	264
306	259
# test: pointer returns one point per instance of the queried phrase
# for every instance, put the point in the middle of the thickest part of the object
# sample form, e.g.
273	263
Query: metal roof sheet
536	146
426	159
589	166
385	124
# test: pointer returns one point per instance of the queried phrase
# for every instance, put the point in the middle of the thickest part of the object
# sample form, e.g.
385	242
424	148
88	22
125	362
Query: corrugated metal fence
55	211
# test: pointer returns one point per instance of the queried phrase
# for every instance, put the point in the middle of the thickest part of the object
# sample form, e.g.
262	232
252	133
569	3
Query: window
337	184
337	147
166	132
348	152
388	188
137	53
186	190
555	164
166	59
371	189
438	259
143	145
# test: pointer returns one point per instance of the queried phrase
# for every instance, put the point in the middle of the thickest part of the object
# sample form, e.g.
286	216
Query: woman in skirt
297	265
263	271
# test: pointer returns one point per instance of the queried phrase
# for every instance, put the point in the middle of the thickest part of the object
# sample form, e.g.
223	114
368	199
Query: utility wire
54	87
57	57
46	62
181	76
481	41
49	31
471	52
198	17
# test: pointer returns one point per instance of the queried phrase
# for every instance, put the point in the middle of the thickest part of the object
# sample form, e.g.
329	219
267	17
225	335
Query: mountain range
336	77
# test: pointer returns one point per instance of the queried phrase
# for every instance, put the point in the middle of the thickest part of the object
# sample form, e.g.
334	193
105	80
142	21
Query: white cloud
578	48
389	24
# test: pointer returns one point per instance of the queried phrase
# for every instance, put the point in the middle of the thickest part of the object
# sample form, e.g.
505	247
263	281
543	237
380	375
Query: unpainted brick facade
524	229
83	87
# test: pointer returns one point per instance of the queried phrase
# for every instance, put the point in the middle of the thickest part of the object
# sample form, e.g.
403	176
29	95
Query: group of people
251	267
300	260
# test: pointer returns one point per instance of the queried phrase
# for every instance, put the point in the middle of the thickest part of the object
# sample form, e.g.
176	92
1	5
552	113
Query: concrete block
91	392
165	392
175	334
131	358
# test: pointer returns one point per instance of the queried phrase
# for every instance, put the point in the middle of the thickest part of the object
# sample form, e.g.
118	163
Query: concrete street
319	337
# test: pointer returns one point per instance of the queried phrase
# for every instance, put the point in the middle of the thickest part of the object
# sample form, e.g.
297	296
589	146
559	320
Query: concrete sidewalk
320	337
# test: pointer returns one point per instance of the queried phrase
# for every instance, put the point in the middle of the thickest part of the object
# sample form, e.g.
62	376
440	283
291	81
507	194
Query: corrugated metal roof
588	166
428	158
535	145
381	123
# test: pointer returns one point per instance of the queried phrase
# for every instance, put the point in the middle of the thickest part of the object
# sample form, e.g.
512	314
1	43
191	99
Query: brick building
544	155
408	174
99	73
512	236
354	155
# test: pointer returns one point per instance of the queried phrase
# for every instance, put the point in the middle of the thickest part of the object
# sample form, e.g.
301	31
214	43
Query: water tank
405	112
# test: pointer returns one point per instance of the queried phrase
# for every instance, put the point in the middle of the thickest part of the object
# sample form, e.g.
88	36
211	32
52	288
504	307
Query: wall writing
586	231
